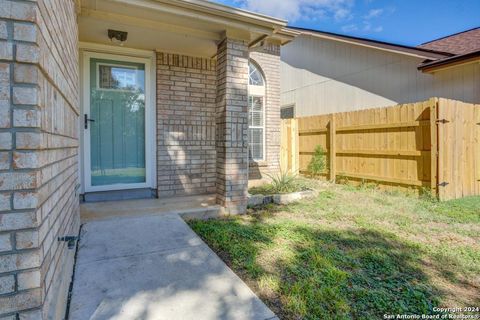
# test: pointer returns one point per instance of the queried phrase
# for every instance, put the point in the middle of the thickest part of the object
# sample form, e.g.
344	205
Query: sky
406	22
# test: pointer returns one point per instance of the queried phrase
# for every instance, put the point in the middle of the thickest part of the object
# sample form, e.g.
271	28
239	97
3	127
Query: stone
30	315
26	118
5	204
25	200
25	160
4	95
28	280
3	30
255	200
29	140
18	180
19	261
23	300
4	115
24	11
25	32
5	242
286	198
5	140
17	220
25	73
25	95
26	239
6	50
4	160
28	53
7	284
293	197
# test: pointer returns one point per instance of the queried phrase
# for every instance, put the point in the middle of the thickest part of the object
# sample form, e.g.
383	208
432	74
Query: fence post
284	145
333	148
294	143
434	146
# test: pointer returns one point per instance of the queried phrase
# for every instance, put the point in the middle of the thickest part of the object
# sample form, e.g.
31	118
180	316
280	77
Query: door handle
87	120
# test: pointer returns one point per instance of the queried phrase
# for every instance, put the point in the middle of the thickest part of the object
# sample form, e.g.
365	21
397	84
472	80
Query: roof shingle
459	43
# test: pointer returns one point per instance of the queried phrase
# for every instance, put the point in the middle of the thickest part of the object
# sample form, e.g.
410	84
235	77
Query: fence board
393	145
458	144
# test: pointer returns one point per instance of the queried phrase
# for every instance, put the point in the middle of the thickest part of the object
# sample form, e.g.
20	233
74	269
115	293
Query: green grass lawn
354	253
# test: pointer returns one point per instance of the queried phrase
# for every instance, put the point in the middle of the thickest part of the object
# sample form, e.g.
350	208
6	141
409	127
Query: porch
165	87
201	207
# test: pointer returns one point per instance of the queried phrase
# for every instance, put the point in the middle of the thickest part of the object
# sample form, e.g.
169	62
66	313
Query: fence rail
432	144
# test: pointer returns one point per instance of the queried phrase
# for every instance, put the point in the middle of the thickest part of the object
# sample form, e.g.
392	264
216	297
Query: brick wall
186	88
38	157
268	59
185	125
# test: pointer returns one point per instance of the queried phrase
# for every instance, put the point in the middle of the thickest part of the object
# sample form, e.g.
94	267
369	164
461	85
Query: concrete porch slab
155	267
202	206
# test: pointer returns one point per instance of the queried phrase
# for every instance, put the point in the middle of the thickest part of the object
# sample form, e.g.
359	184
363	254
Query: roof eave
451	62
206	10
378	45
285	35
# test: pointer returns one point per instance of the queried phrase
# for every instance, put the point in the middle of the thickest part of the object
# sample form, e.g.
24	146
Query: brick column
232	125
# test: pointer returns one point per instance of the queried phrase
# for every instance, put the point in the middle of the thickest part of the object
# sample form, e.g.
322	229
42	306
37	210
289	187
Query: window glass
256	114
118	78
256	78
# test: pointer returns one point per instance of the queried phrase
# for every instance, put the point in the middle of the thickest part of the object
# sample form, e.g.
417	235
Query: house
107	99
323	73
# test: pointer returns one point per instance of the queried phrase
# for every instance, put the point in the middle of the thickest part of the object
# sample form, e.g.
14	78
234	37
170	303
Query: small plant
342	179
318	163
367	185
427	194
283	182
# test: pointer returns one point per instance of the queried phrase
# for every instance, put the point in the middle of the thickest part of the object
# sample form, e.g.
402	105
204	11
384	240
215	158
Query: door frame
150	147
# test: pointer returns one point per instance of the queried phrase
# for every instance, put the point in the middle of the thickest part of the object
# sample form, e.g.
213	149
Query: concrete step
191	207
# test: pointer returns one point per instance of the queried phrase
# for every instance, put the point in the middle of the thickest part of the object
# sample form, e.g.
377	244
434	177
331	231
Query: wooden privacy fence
433	144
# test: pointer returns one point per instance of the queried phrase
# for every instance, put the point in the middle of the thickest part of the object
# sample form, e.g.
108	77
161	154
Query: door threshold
114	195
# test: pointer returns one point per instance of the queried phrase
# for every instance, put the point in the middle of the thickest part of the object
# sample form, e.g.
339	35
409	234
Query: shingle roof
459	43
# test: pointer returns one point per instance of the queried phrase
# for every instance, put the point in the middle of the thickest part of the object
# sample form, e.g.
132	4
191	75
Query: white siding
323	76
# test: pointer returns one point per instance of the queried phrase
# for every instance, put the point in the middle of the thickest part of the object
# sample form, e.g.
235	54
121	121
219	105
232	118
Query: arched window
256	113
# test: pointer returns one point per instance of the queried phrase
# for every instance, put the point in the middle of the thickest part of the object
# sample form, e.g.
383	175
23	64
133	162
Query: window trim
258	91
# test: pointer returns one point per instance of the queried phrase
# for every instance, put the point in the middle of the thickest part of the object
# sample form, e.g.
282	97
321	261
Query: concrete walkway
155	267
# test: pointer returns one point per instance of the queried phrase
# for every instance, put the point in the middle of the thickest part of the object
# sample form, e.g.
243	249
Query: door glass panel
117	134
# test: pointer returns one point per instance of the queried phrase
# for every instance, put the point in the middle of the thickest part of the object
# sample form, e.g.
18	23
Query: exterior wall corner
39	106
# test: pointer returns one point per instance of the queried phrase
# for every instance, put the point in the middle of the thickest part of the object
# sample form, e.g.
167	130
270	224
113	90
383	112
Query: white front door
115	121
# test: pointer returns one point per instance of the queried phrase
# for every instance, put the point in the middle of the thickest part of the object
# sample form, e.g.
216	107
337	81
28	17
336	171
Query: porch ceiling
189	27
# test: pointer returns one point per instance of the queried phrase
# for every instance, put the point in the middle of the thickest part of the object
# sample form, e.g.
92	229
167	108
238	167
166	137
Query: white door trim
150	145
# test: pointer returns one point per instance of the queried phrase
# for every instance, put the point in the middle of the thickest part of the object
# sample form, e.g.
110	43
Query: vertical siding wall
38	159
186	91
323	76
268	58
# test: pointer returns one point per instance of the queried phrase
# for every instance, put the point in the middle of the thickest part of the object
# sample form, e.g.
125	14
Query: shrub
283	182
318	163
